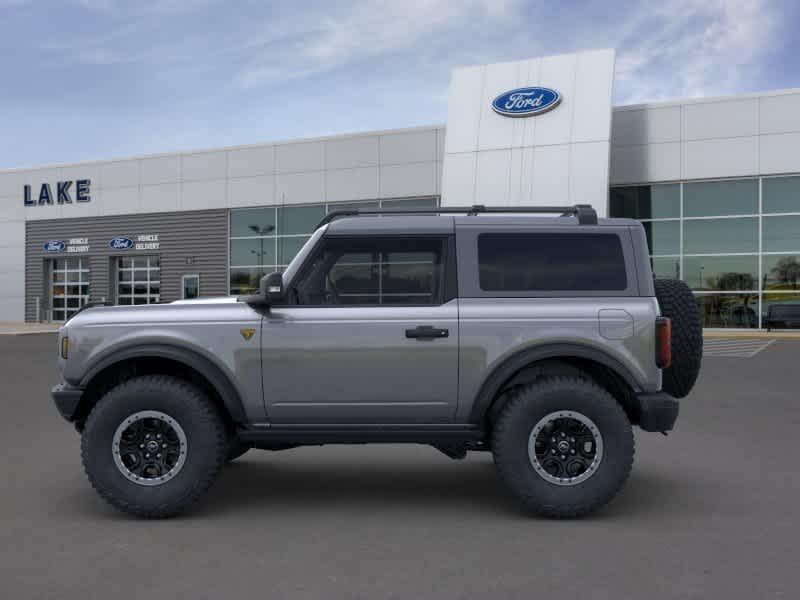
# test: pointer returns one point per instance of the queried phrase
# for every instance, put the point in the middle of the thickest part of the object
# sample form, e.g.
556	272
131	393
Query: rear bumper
67	399
657	412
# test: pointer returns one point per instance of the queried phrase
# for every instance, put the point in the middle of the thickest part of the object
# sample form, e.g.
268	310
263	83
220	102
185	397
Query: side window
373	271
530	262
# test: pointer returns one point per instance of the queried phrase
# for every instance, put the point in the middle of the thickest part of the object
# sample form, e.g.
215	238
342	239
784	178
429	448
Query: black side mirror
272	288
270	291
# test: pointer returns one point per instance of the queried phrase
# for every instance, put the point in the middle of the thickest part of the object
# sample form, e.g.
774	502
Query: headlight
64	347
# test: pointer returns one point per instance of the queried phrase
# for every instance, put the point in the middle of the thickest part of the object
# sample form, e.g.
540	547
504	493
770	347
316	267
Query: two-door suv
540	339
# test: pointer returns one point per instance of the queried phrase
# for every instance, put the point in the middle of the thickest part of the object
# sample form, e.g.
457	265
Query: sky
97	79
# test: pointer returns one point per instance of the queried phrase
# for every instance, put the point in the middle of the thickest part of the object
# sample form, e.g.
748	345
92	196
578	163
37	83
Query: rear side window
531	262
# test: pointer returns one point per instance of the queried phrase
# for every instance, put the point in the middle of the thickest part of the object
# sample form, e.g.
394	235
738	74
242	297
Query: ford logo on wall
54	246
121	243
526	102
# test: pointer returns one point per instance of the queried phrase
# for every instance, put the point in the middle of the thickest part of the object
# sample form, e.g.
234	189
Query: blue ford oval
54	246
121	243
526	102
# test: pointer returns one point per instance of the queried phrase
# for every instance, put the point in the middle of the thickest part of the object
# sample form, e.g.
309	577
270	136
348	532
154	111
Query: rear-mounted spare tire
678	304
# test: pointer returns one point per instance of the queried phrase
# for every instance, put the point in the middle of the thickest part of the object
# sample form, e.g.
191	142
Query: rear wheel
563	445
677	302
153	445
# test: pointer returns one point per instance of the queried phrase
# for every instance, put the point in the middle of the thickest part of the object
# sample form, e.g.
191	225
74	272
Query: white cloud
689	48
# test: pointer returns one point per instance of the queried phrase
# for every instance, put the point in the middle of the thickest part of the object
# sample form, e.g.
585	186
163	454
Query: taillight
663	342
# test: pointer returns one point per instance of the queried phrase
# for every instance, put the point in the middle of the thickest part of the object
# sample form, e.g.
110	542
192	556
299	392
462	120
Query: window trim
446	291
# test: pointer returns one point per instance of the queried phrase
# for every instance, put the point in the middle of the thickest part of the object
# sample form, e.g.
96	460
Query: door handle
427	332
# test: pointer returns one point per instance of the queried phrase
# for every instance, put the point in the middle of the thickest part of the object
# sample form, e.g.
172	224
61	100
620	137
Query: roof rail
585	213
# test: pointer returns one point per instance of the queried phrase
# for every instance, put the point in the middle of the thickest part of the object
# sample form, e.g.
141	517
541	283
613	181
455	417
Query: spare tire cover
678	304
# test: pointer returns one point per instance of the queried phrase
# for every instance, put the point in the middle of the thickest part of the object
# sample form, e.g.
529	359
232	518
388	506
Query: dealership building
716	183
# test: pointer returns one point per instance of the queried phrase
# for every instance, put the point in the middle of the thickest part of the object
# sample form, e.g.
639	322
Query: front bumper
67	399
657	412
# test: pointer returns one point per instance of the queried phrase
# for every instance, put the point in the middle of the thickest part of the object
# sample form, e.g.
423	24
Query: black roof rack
585	214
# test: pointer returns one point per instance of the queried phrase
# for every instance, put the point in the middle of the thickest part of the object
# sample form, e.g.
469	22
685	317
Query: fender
213	373
505	370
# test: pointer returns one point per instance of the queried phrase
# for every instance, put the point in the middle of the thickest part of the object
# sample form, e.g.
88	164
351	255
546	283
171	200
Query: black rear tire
512	433
184	405
678	303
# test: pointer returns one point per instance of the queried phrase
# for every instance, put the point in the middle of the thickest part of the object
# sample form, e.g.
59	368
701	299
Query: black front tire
191	409
512	432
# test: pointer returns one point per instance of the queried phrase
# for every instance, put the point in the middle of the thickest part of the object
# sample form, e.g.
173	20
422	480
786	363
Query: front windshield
300	257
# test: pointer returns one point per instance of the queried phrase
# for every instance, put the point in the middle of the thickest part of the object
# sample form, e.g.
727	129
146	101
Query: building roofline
705	100
284	142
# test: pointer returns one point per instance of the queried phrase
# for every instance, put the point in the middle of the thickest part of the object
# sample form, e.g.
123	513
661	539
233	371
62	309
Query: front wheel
563	445
153	445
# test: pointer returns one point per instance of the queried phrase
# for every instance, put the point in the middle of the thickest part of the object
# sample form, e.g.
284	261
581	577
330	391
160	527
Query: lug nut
147	456
163	445
158	455
572	451
563	457
563	434
141	446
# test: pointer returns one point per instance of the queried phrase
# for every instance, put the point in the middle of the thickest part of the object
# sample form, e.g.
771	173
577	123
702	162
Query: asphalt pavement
709	512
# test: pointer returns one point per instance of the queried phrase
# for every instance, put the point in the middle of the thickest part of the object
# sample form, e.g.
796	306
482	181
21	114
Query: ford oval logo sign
526	102
121	243
54	246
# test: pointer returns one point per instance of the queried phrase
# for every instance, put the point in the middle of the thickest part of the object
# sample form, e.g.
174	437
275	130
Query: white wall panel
12	234
44	212
119	200
464	110
119	173
780	153
551	174
496	131
301	156
594	80
588	175
351	184
247	162
351	152
555	126
12	208
723	119
12	307
160	169
644	163
412	146
203	195
492	177
251	191
779	113
204	165
418	179
10	184
300	188
646	126
160	198
720	158
503	172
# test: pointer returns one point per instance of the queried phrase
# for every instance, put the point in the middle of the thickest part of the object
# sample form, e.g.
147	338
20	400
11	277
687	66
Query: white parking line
734	348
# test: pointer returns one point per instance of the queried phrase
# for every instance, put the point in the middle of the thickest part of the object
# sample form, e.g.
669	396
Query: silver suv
542	340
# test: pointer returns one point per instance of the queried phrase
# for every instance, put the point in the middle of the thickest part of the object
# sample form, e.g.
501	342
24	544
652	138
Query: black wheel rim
149	447
565	448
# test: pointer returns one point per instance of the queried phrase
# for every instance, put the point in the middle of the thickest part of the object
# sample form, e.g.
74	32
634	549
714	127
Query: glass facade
735	242
267	238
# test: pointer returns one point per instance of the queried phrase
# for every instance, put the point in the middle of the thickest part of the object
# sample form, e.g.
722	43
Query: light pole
261	231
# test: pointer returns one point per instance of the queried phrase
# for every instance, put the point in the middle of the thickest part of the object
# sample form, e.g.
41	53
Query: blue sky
95	79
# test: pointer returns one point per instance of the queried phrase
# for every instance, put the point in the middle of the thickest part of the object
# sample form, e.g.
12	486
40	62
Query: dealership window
69	286
266	239
737	244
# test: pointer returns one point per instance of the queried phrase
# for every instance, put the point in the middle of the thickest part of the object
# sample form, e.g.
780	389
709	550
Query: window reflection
728	310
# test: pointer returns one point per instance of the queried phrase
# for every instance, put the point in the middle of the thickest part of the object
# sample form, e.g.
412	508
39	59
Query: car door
369	334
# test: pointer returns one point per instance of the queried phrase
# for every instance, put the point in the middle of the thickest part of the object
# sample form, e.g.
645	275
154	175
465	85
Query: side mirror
272	288
270	291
